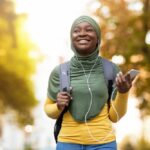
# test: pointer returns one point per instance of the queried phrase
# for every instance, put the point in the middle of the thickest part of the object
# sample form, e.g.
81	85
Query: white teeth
83	41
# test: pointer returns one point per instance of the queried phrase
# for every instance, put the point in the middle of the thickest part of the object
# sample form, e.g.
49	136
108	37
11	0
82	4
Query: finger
66	94
60	94
119	86
67	104
117	81
63	95
64	99
128	77
69	95
64	103
60	105
122	77
119	78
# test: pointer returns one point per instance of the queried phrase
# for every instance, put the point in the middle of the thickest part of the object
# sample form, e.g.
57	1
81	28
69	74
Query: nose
82	32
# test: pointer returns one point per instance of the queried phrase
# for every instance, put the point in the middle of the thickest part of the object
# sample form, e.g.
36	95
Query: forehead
83	24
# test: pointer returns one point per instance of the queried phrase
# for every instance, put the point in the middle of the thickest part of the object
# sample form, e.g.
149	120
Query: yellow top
95	131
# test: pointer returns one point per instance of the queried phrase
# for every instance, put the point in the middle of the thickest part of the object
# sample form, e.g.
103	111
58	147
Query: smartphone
133	73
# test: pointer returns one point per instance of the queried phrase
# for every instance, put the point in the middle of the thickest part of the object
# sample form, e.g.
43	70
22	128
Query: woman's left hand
123	82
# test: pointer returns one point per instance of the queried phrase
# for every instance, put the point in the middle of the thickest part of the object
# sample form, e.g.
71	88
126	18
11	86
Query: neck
94	53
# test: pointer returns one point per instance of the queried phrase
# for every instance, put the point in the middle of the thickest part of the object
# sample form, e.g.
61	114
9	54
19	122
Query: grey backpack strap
108	70
65	76
109	75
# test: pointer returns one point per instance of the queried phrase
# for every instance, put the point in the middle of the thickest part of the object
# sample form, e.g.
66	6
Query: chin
83	52
83	48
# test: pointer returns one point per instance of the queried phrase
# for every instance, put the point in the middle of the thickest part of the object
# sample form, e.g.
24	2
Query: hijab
95	26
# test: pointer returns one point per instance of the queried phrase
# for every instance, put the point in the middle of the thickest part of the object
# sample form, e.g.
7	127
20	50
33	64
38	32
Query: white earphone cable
91	101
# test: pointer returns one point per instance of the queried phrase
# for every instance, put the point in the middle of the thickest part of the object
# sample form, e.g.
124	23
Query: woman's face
84	38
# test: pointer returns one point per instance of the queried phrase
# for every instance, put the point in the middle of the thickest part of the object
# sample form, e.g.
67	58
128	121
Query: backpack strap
108	70
109	75
64	75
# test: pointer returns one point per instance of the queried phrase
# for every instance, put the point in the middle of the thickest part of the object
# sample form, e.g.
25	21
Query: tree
124	31
16	66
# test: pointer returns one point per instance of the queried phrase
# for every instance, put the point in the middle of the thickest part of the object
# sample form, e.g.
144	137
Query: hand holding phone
124	82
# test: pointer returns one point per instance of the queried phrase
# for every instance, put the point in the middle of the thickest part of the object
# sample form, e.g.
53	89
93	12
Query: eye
76	30
89	30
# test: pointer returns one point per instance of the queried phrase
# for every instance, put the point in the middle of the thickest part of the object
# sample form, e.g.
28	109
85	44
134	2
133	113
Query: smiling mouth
83	41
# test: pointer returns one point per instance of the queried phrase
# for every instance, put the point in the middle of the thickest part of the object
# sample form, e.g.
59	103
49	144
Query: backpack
64	75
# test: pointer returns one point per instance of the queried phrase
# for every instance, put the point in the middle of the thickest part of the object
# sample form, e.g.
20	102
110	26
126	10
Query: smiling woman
87	123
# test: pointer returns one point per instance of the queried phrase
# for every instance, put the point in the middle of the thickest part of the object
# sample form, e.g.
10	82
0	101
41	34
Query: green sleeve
53	84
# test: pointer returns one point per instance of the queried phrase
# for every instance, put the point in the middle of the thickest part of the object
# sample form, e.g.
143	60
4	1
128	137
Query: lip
79	39
83	41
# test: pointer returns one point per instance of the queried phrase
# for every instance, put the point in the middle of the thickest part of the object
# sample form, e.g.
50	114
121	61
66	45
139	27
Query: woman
87	123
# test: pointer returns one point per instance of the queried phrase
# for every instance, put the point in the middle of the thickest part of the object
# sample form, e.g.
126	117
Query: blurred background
34	37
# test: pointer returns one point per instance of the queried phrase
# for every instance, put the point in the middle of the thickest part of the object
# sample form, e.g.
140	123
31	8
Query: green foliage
16	65
15	91
123	33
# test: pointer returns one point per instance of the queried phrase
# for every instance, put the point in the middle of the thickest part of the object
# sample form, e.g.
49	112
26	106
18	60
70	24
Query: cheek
73	37
73	44
73	40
